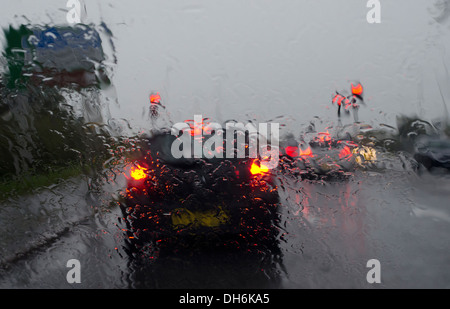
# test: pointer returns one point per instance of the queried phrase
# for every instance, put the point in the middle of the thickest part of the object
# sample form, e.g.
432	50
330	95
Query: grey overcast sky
260	59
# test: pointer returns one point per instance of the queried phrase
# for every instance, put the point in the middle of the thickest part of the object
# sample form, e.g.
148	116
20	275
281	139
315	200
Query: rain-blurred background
241	60
232	59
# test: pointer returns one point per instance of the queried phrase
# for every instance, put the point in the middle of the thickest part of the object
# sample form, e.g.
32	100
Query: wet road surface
327	233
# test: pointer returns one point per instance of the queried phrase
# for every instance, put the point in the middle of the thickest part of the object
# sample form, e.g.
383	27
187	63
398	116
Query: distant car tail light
306	153
198	128
292	151
324	136
345	152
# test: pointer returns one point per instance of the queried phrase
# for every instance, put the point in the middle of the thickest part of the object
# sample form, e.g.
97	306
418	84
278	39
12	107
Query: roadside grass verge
28	183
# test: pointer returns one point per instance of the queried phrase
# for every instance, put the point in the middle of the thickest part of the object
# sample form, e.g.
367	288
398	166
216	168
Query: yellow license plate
183	217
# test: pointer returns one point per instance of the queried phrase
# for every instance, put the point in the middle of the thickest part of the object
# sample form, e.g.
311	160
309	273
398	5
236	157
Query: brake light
138	173
258	170
292	151
338	99
345	152
324	136
197	128
306	153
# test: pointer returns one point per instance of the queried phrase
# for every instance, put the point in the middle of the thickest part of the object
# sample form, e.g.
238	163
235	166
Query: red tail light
197	128
138	173
292	151
306	153
345	152
324	136
258	169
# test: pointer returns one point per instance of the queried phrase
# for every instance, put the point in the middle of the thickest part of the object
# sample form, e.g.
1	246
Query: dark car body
167	198
433	152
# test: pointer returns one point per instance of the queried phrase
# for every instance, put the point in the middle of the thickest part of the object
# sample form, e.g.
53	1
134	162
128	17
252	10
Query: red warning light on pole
357	90
155	98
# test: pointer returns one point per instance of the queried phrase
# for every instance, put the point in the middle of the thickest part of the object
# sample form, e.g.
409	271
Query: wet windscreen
225	144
